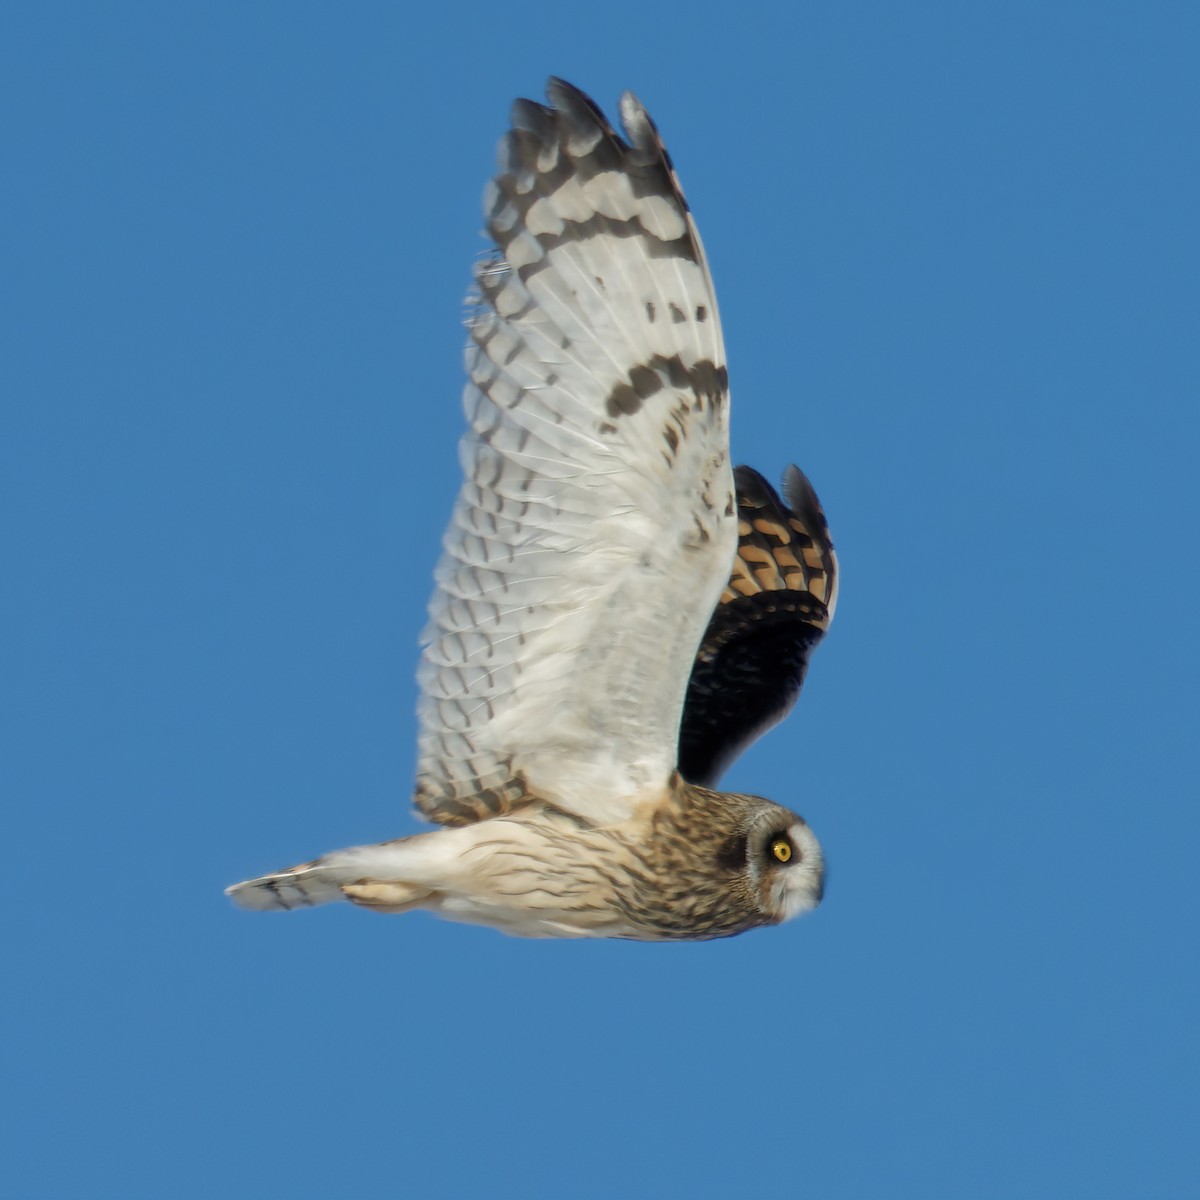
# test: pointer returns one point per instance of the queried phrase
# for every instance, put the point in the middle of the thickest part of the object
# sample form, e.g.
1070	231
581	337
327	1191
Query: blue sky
955	247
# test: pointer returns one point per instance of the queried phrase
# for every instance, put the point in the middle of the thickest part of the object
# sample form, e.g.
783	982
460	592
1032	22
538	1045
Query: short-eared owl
618	613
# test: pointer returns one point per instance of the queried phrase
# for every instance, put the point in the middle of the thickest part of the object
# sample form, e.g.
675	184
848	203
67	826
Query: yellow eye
782	849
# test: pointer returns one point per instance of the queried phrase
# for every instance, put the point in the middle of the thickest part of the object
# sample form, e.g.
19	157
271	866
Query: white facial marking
797	887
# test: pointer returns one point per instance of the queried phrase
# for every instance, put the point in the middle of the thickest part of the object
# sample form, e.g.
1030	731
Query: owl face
783	863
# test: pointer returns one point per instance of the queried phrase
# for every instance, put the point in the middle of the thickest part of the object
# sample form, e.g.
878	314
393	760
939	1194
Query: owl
617	612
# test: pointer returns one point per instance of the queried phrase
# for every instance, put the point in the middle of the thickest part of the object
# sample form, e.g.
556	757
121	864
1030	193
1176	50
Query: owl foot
386	897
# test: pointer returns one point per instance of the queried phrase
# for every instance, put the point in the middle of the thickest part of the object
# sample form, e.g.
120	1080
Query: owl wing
595	526
776	607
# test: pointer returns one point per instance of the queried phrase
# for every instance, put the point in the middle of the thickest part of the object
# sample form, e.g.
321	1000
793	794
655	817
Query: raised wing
777	606
595	526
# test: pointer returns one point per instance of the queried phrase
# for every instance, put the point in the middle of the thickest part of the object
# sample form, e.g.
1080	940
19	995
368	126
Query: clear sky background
955	247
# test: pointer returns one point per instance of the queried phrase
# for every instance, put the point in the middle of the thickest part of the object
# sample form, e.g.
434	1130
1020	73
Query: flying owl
617	612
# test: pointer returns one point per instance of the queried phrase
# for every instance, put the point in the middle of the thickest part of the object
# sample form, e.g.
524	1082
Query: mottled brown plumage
704	865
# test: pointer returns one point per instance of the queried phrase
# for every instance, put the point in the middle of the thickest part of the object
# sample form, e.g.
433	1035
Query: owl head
769	858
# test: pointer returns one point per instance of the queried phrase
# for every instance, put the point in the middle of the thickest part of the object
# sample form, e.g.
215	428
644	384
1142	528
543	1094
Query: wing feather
774	611
595	526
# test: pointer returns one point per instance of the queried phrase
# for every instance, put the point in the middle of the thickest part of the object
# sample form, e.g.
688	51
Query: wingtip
638	125
580	110
802	499
798	490
753	484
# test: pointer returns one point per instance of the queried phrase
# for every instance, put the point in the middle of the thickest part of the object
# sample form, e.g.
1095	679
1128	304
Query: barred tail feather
298	887
354	874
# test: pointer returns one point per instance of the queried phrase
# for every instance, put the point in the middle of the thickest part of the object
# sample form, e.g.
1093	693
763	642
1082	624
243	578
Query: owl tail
364	875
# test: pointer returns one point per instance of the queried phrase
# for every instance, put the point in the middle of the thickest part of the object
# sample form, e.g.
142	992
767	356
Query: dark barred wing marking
778	605
594	529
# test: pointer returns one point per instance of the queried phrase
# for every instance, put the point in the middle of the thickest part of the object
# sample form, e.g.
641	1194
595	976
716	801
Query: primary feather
595	527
